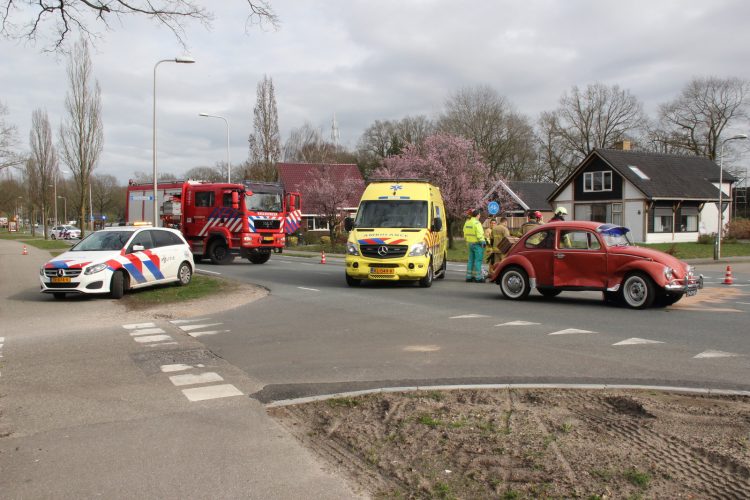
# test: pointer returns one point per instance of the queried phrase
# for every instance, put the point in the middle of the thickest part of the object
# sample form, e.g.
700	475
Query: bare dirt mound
533	443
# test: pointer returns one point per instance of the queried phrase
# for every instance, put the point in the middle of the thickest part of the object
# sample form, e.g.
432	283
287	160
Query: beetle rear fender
654	269
515	260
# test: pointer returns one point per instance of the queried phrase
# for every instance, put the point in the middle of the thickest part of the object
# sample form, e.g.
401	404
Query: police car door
169	248
145	263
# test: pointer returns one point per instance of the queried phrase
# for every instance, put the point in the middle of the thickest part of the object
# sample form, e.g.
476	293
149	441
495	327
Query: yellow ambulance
399	233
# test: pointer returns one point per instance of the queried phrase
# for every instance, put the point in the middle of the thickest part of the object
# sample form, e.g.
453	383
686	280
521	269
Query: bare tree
306	145
213	174
58	19
82	132
387	138
504	137
555	158
597	117
8	142
695	121
108	196
43	162
265	141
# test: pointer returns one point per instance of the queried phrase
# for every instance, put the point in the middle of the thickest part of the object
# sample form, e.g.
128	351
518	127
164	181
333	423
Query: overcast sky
371	60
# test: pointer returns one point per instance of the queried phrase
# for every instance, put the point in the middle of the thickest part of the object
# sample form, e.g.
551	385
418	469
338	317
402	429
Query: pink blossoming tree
451	163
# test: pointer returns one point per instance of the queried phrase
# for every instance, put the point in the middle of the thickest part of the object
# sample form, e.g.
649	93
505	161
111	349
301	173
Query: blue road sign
493	207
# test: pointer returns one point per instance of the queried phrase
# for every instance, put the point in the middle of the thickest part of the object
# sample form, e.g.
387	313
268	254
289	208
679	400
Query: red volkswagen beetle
582	255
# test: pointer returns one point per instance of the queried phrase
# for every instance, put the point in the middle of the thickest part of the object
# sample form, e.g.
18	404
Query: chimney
623	145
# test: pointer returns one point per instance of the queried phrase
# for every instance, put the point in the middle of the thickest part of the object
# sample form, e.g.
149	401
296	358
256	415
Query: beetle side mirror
348	224
437	224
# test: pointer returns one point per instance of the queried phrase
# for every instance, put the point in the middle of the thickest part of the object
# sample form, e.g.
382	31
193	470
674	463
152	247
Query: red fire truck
221	220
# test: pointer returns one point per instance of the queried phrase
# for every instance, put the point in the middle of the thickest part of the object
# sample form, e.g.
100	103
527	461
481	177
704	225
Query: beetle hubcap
637	291
514	284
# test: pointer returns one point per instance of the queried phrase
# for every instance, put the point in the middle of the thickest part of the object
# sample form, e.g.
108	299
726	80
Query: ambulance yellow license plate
381	270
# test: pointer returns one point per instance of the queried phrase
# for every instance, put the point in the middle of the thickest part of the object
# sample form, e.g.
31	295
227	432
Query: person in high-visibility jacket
474	236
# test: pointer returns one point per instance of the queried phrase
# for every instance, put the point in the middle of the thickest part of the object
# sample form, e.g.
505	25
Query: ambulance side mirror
437	224
348	224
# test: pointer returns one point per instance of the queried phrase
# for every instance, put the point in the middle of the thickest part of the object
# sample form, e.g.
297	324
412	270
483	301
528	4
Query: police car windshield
264	202
392	213
103	241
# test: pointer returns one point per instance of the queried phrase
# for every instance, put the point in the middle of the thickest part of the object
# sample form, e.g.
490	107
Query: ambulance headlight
95	269
418	250
351	248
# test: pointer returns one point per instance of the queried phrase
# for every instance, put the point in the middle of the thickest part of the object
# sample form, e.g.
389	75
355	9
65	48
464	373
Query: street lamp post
229	164
65	207
717	247
182	60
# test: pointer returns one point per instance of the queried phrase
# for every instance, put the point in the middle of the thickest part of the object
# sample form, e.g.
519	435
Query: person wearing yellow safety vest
474	236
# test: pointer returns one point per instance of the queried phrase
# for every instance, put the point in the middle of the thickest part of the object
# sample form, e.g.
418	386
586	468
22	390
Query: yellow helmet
561	211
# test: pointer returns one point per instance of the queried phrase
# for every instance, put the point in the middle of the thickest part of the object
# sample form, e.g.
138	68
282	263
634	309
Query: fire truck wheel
184	274
117	286
219	253
259	258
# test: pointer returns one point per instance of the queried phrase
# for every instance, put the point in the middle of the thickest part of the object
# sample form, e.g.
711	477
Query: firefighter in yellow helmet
560	213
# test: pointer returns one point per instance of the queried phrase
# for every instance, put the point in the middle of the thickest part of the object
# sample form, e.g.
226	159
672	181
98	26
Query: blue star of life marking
396	187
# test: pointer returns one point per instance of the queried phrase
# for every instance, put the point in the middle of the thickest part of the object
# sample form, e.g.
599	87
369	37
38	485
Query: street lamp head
739	136
184	60
203	114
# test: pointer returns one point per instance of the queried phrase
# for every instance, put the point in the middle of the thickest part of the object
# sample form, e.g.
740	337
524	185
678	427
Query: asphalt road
314	335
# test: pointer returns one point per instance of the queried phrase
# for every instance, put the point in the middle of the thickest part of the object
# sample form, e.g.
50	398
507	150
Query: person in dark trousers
534	219
474	236
560	213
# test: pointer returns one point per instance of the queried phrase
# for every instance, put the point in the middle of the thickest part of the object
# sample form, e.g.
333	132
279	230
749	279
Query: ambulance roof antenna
335	136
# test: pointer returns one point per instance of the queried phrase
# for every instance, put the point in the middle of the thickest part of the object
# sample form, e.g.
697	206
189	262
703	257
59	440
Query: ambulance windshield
392	213
264	202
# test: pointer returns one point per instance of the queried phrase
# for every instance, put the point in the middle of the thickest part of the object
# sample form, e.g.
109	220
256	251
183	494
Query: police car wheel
184	274
117	286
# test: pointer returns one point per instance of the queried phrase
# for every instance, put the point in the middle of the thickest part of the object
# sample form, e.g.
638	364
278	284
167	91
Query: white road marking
468	316
175	368
211	392
744	303
311	289
161	344
133	326
182	321
209	332
146	331
518	323
422	348
715	354
188	328
152	338
206	271
191	379
570	331
637	341
2	339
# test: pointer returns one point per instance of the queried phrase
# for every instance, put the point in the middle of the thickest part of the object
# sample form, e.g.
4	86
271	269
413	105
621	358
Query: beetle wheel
638	291
514	283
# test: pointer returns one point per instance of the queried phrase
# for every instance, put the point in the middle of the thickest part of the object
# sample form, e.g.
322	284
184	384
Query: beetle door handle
560	255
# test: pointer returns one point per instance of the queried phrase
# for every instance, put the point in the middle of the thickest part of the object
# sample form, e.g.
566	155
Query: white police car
117	259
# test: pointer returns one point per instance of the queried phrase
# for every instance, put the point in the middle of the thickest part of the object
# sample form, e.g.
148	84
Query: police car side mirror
348	224
437	224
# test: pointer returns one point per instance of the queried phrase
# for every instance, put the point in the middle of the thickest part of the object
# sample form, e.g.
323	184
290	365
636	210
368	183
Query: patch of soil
533	443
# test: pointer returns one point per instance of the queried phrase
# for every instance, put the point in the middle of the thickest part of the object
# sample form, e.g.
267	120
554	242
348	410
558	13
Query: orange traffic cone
728	280
25	252
322	257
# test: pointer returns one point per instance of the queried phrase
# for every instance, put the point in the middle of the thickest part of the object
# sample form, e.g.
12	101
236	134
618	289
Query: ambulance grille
383	251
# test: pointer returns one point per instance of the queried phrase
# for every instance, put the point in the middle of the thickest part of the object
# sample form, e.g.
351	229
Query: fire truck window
204	199
226	200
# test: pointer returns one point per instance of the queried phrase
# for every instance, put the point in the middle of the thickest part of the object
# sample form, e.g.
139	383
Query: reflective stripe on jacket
473	231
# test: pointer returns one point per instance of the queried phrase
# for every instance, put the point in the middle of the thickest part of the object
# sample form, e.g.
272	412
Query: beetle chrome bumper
689	285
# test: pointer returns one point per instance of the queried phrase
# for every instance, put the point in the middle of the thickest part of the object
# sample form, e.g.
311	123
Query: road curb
383	390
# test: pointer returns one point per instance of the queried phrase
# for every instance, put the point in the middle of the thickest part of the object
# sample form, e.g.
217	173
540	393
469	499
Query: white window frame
603	179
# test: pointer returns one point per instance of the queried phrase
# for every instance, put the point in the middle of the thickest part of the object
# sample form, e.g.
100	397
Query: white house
660	197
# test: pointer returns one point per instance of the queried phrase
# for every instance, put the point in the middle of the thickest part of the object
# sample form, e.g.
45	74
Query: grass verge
200	286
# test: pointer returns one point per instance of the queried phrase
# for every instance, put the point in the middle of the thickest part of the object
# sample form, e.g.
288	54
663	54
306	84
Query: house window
316	223
617	214
663	220
610	213
688	220
597	181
